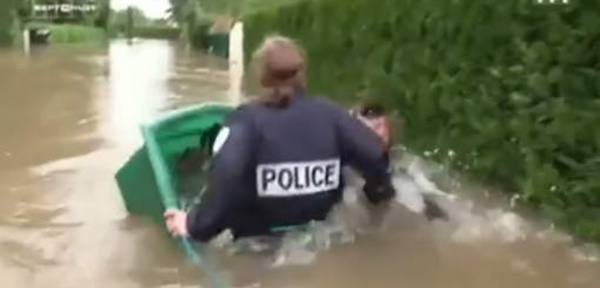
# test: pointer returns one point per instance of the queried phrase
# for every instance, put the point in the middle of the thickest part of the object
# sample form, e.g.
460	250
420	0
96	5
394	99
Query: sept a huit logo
64	7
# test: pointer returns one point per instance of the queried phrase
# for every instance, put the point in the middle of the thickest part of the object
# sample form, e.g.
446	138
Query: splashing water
300	246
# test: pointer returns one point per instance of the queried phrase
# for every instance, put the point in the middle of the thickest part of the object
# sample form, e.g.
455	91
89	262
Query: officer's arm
226	193
366	152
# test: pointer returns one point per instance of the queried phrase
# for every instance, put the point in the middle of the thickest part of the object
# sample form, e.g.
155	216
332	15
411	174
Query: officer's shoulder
235	123
242	113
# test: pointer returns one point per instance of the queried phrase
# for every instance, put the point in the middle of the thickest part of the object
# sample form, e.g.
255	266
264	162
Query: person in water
278	161
373	114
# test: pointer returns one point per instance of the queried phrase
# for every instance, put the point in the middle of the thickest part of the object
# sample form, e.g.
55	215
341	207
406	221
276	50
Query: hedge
508	90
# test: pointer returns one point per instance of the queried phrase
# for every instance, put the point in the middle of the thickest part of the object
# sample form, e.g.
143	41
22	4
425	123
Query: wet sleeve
228	176
364	151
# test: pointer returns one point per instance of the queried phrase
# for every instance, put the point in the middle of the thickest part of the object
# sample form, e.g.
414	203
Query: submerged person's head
280	66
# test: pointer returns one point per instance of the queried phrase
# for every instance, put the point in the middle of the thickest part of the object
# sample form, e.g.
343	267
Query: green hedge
505	89
72	34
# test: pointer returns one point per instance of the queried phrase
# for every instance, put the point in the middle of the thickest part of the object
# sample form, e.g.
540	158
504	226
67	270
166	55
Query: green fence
508	90
218	43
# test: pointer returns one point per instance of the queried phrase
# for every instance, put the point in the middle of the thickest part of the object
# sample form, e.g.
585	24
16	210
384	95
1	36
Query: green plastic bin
151	180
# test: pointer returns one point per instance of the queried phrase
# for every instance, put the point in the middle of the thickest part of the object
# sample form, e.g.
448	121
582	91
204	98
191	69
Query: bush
506	90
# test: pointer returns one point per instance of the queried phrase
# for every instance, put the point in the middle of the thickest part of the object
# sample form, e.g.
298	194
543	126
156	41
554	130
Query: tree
103	14
8	21
120	19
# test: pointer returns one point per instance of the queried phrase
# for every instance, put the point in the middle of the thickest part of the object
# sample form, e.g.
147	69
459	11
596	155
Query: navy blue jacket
282	166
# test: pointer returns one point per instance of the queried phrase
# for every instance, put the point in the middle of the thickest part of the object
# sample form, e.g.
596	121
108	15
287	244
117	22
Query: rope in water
169	199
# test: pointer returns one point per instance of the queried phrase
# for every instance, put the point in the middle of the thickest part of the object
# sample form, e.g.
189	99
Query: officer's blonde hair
280	64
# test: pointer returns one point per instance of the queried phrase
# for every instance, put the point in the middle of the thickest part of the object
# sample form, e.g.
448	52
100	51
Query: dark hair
371	109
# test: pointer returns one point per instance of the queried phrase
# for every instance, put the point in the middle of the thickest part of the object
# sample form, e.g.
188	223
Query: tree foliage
506	90
9	21
141	25
119	20
233	8
196	17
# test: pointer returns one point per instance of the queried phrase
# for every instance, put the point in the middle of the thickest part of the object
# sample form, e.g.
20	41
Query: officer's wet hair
280	64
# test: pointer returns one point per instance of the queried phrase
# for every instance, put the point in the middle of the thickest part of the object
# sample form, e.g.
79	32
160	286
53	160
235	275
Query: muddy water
69	118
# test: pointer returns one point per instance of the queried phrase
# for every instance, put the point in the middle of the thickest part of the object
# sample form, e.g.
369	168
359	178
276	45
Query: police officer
278	161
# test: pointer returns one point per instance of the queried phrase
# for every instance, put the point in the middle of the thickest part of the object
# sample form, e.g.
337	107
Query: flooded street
70	118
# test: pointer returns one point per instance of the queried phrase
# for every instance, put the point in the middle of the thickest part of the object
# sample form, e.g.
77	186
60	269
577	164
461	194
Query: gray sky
152	8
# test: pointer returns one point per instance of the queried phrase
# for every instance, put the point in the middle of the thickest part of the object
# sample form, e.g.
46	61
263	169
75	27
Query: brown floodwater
69	118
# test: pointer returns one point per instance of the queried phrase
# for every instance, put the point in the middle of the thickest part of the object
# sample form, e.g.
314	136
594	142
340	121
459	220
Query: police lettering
329	174
298	178
315	176
285	179
268	175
